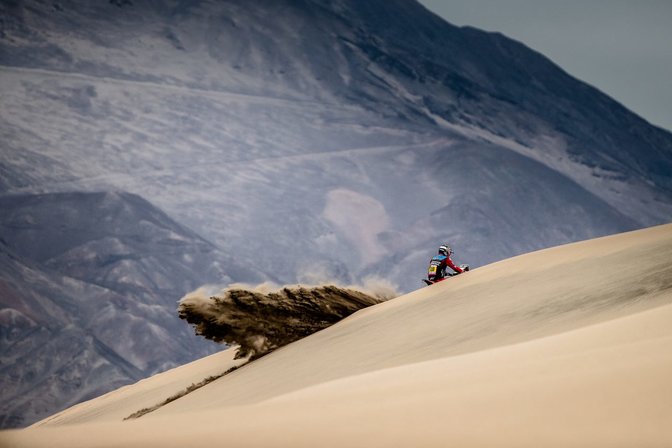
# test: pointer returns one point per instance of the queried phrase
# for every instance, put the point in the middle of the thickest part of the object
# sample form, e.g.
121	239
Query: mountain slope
47	362
240	117
90	284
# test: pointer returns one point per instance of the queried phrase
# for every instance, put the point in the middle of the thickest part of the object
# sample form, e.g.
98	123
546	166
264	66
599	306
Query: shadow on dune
259	320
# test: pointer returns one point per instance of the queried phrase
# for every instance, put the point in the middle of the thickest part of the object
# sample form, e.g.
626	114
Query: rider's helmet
446	250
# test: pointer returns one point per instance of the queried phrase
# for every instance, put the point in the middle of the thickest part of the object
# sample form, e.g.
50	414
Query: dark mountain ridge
89	289
462	75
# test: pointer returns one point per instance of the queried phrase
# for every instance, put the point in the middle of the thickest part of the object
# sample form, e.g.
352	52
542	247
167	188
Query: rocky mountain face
90	284
305	139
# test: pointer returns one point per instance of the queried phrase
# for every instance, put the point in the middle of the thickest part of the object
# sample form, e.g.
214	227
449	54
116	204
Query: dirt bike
465	267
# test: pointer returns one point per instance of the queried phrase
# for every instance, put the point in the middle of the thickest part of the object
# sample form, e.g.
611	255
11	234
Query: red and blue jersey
438	265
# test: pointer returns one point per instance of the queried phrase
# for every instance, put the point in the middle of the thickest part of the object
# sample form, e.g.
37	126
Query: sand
569	346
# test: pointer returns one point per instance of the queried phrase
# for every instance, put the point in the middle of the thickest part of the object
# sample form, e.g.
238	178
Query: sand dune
121	403
568	346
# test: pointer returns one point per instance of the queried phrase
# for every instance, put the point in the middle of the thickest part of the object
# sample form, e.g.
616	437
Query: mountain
333	137
90	284
292	140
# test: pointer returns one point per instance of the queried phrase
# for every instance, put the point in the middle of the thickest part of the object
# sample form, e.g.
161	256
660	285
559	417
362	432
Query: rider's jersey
438	265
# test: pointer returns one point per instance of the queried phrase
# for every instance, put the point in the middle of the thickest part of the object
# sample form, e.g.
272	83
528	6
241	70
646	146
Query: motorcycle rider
439	263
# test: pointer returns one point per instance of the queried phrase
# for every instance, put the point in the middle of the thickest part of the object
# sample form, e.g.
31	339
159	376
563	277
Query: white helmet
446	250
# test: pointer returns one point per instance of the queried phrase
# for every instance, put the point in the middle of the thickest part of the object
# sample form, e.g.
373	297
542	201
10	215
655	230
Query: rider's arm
454	267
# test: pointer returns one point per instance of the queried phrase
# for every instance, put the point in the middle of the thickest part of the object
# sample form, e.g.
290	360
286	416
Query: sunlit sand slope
568	346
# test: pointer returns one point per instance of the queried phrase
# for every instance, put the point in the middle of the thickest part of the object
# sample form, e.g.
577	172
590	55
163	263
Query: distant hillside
89	288
335	138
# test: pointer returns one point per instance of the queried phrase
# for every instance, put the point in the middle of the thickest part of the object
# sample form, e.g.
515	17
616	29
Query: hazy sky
622	47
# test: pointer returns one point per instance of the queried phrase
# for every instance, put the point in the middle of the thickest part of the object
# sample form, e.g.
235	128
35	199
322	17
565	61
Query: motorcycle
465	268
